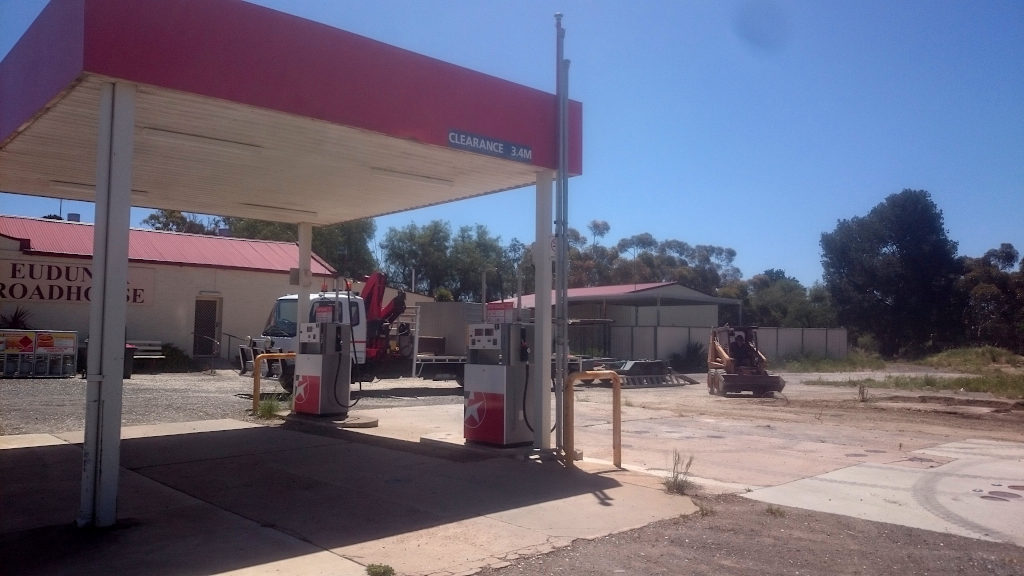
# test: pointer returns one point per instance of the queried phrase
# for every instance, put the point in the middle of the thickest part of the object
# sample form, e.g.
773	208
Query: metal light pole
561	228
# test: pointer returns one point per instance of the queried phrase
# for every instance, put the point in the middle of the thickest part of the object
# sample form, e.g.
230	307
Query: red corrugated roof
41	236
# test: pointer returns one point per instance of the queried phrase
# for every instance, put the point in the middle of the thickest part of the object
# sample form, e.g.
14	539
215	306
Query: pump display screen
484	337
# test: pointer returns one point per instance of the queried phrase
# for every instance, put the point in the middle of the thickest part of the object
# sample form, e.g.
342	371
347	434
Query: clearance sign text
489	146
28	281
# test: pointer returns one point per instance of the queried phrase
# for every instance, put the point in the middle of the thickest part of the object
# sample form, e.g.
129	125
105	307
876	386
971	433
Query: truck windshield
321	311
281	322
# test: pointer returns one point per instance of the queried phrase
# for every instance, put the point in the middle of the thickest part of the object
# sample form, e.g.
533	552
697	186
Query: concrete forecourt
300	495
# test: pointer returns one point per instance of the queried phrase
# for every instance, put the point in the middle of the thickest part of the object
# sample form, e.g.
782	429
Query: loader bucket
758	384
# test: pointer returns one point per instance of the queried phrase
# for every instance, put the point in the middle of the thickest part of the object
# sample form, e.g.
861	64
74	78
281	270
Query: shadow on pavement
211	502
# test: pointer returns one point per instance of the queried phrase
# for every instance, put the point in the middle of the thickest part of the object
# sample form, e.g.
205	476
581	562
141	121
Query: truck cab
283	322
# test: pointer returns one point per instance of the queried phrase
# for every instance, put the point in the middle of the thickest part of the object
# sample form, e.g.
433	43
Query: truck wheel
287	378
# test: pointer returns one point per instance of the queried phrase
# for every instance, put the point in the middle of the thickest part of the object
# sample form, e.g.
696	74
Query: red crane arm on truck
378	316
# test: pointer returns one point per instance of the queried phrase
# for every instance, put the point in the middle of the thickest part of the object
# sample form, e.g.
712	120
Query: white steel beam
102	447
305	273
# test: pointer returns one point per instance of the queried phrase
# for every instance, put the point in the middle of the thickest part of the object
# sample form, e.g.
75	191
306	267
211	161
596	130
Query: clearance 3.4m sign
489	146
33	281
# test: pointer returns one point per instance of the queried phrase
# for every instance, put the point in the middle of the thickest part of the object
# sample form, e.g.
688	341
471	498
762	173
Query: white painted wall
168	313
246	298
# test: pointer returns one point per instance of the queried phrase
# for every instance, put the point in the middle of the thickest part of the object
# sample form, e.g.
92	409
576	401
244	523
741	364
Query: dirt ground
738	536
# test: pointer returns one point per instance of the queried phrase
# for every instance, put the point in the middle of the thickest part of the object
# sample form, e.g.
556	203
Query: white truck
429	344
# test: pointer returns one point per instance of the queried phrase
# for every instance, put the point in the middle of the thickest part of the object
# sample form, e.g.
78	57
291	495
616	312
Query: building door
206	337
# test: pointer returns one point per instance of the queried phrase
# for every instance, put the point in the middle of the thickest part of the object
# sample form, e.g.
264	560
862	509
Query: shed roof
651	294
45	237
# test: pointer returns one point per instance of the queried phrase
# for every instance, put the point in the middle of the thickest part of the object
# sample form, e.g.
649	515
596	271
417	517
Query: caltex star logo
301	384
476	410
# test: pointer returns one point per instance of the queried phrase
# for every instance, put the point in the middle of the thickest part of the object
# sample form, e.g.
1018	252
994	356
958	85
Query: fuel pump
323	369
497	410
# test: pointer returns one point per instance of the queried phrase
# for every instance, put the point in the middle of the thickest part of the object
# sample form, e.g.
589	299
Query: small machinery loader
735	364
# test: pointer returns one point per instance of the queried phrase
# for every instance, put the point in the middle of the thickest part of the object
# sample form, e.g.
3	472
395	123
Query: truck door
355	320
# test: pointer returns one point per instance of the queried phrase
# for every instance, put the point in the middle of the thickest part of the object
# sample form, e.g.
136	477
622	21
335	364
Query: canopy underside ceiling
210	156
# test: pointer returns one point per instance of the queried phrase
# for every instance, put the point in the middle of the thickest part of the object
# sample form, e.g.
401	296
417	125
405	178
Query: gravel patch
56	405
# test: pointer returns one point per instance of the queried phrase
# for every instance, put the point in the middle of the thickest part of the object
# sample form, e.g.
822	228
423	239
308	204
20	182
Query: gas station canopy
245	111
227	108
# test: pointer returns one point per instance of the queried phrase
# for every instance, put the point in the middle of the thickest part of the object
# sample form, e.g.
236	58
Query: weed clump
678	482
268	408
380	570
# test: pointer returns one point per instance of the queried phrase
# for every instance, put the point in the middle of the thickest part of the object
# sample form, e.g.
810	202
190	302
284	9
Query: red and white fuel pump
323	369
497	385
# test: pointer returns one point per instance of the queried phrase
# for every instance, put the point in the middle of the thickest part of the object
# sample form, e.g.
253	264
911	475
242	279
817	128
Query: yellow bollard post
616	420
568	415
256	374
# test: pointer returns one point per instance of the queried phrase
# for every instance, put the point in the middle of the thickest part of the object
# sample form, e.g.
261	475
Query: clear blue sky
750	124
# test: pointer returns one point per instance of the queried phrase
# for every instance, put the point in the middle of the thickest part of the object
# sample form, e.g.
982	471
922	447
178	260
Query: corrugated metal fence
652	342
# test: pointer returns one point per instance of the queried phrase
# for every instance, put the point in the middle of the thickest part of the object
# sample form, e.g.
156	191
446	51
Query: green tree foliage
262	229
598	229
707	267
437	259
601	263
420	252
892	273
454	267
637	244
820	312
737	290
774	299
478	257
345	246
994	298
641	259
520	259
186	222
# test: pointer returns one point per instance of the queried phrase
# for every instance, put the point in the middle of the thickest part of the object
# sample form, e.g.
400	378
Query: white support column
542	333
305	273
102	447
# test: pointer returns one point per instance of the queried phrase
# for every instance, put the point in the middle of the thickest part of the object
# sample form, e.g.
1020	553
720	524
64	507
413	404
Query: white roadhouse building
188	290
